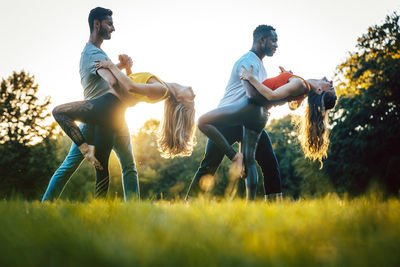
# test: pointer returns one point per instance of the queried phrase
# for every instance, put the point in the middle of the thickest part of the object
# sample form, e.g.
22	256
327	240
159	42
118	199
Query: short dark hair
262	31
99	14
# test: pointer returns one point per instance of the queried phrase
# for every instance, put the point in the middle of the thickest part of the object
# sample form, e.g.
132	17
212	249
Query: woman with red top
252	114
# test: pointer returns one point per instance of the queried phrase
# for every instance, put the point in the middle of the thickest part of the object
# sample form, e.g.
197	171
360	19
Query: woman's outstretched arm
292	88
258	98
153	91
121	77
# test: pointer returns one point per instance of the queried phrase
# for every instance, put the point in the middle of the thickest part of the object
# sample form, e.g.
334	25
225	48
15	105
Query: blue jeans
122	147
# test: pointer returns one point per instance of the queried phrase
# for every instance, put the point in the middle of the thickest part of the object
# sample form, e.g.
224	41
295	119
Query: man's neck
256	51
95	40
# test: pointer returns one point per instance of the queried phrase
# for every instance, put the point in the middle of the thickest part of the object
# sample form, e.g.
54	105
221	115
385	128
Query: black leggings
107	113
253	118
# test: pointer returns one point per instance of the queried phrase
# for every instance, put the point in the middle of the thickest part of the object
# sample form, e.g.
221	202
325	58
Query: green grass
328	232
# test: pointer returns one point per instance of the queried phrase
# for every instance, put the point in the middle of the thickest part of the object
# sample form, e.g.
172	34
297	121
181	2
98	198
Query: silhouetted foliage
22	115
300	176
25	163
287	149
365	140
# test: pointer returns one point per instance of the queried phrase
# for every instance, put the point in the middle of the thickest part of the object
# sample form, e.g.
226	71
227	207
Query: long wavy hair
177	129
314	135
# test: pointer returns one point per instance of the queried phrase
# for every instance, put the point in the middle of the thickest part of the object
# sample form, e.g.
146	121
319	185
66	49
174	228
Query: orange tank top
283	78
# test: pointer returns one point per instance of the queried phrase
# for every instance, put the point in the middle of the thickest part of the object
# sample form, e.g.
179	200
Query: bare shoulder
297	84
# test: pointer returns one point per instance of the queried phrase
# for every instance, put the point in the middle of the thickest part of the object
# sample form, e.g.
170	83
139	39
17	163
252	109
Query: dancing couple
243	112
240	117
108	92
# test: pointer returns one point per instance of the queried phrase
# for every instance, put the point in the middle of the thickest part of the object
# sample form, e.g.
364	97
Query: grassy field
328	232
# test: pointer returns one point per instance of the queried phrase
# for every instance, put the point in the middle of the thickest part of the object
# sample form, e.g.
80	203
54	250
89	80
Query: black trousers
265	157
107	114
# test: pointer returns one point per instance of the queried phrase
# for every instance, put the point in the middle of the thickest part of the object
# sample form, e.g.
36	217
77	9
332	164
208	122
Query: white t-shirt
234	91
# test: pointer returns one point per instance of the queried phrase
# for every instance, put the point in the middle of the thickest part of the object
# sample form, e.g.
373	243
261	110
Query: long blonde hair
176	135
314	135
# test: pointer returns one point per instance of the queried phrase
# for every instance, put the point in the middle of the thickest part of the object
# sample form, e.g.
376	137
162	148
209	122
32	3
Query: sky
192	43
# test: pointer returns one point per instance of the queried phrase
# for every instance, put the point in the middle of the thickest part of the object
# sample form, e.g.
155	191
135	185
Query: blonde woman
107	113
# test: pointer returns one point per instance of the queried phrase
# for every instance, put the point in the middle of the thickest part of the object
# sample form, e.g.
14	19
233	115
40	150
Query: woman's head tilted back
176	137
314	136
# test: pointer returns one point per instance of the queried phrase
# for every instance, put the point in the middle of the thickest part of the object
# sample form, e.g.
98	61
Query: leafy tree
364	141
27	151
300	176
314	181
287	149
22	116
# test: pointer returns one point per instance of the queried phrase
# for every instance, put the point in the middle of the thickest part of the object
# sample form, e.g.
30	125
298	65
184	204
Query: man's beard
267	51
103	33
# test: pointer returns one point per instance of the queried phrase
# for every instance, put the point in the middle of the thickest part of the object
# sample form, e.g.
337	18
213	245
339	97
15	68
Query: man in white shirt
264	44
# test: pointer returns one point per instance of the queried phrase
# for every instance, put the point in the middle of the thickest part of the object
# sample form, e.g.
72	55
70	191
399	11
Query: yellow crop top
143	77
